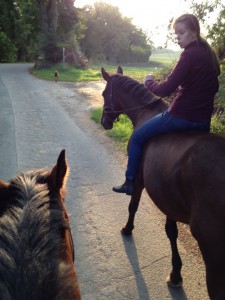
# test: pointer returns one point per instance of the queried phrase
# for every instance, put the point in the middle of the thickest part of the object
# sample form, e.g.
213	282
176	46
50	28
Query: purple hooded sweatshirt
197	84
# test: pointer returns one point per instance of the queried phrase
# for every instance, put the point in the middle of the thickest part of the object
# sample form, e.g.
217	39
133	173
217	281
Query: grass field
137	71
165	58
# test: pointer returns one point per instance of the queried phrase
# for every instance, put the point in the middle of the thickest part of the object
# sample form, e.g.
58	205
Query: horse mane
135	89
31	231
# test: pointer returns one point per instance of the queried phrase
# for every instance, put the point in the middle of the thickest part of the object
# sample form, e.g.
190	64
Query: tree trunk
52	13
49	15
43	16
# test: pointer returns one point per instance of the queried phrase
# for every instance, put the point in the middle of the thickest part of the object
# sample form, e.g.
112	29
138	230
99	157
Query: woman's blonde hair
192	23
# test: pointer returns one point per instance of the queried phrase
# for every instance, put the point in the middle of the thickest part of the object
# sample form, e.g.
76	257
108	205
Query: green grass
67	73
218	123
136	71
96	114
121	130
166	58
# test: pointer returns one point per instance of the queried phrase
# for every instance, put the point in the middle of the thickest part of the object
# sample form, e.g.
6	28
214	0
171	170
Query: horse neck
139	113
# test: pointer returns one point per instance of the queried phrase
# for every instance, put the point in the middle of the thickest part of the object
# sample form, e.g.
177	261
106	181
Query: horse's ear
3	185
120	70
59	173
105	75
3	189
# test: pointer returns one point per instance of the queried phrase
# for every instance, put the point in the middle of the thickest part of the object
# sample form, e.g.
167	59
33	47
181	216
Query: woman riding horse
196	78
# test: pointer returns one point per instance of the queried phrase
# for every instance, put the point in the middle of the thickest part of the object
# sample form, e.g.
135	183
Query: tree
34	27
9	15
7	49
107	36
19	21
215	31
27	29
205	12
58	19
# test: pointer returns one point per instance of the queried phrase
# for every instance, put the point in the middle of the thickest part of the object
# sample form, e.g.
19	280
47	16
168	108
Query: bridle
109	109
71	242
69	230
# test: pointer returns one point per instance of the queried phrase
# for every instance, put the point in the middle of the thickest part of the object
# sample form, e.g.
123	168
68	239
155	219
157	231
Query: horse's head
54	180
125	95
35	220
38	185
110	110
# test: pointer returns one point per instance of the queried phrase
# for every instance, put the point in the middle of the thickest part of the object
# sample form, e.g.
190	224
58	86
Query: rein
71	243
69	230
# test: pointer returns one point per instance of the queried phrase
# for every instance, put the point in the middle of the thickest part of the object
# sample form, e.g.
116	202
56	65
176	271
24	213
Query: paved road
38	119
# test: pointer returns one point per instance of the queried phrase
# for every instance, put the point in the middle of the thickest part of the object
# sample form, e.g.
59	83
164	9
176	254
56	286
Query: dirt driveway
78	99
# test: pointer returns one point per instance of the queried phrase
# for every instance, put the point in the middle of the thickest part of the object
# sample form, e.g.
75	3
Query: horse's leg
175	278
215	278
132	209
212	246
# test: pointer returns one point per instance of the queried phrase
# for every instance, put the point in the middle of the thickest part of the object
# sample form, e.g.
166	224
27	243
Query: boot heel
127	187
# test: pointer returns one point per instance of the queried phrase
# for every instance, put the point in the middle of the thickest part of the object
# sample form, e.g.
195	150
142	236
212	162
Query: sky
152	16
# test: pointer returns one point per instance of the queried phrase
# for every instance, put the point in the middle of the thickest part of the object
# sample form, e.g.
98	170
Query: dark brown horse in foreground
183	173
36	246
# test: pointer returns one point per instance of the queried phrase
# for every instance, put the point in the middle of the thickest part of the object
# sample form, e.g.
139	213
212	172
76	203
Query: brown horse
37	254
183	173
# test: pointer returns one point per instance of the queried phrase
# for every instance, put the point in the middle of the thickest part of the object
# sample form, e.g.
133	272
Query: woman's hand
149	77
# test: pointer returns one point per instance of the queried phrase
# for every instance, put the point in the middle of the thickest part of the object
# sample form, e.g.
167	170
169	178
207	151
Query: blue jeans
161	123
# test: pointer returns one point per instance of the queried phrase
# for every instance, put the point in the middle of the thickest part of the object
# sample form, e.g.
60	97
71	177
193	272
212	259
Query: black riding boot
126	188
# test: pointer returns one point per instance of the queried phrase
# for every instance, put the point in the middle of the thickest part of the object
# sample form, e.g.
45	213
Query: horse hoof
174	284
126	231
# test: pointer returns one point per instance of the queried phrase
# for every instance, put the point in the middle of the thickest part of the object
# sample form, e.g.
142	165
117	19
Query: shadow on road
131	252
142	288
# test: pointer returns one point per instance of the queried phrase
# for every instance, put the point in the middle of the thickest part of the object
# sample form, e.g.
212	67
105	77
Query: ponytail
215	61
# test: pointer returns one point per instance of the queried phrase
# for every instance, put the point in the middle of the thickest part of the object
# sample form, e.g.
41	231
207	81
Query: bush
139	54
7	49
218	123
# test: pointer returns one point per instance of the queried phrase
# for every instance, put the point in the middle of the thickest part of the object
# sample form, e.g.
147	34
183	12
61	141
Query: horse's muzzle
105	124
